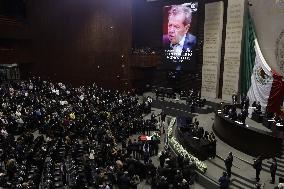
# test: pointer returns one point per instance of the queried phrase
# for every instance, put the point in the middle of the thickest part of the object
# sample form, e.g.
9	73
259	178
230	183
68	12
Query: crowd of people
231	110
76	122
266	118
175	171
53	135
193	99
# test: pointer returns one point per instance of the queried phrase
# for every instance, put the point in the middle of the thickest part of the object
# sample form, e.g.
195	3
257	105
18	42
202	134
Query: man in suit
258	108
224	181
229	164
273	168
243	115
178	40
234	98
257	165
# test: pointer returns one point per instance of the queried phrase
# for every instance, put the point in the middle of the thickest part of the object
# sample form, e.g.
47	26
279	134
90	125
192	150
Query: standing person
150	171
224	181
129	147
146	152
184	184
273	168
124	181
229	163
163	116
212	147
135	180
243	115
234	98
163	183
163	122
257	165
162	159
163	127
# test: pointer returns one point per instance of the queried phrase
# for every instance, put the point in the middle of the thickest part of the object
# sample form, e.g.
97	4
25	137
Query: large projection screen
179	35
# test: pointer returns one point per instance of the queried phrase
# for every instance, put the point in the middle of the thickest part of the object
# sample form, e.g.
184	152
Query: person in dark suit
229	164
124	181
254	104
162	159
224	181
258	108
247	103
185	44
178	40
257	165
234	98
273	168
163	183
244	114
233	114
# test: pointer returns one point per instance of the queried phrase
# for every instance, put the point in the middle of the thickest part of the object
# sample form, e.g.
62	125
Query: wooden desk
249	140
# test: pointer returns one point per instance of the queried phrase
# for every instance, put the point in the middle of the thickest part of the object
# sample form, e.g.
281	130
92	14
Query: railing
179	149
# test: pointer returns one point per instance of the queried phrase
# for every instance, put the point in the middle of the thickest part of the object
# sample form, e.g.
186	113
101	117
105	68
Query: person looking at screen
178	39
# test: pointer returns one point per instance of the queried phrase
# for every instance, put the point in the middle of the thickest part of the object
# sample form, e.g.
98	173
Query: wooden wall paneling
73	38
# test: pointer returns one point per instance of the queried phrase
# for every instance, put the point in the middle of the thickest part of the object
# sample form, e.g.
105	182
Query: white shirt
91	156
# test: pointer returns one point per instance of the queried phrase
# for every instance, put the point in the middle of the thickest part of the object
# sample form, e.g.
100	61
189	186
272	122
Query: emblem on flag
261	76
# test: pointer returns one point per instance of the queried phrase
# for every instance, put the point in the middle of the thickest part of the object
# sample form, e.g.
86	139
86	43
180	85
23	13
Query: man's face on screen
176	28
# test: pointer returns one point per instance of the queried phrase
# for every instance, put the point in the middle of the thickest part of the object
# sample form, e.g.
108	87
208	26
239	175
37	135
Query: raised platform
199	147
243	174
247	139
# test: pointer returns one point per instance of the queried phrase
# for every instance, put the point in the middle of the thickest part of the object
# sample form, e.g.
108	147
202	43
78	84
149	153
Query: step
218	170
220	163
237	163
206	182
221	166
279	165
279	160
266	168
237	183
244	181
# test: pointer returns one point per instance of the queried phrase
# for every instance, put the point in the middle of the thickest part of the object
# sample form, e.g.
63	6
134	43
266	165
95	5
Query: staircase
280	164
244	183
237	181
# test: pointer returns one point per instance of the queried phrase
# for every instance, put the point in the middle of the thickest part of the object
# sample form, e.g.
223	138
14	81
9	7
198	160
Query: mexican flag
258	81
